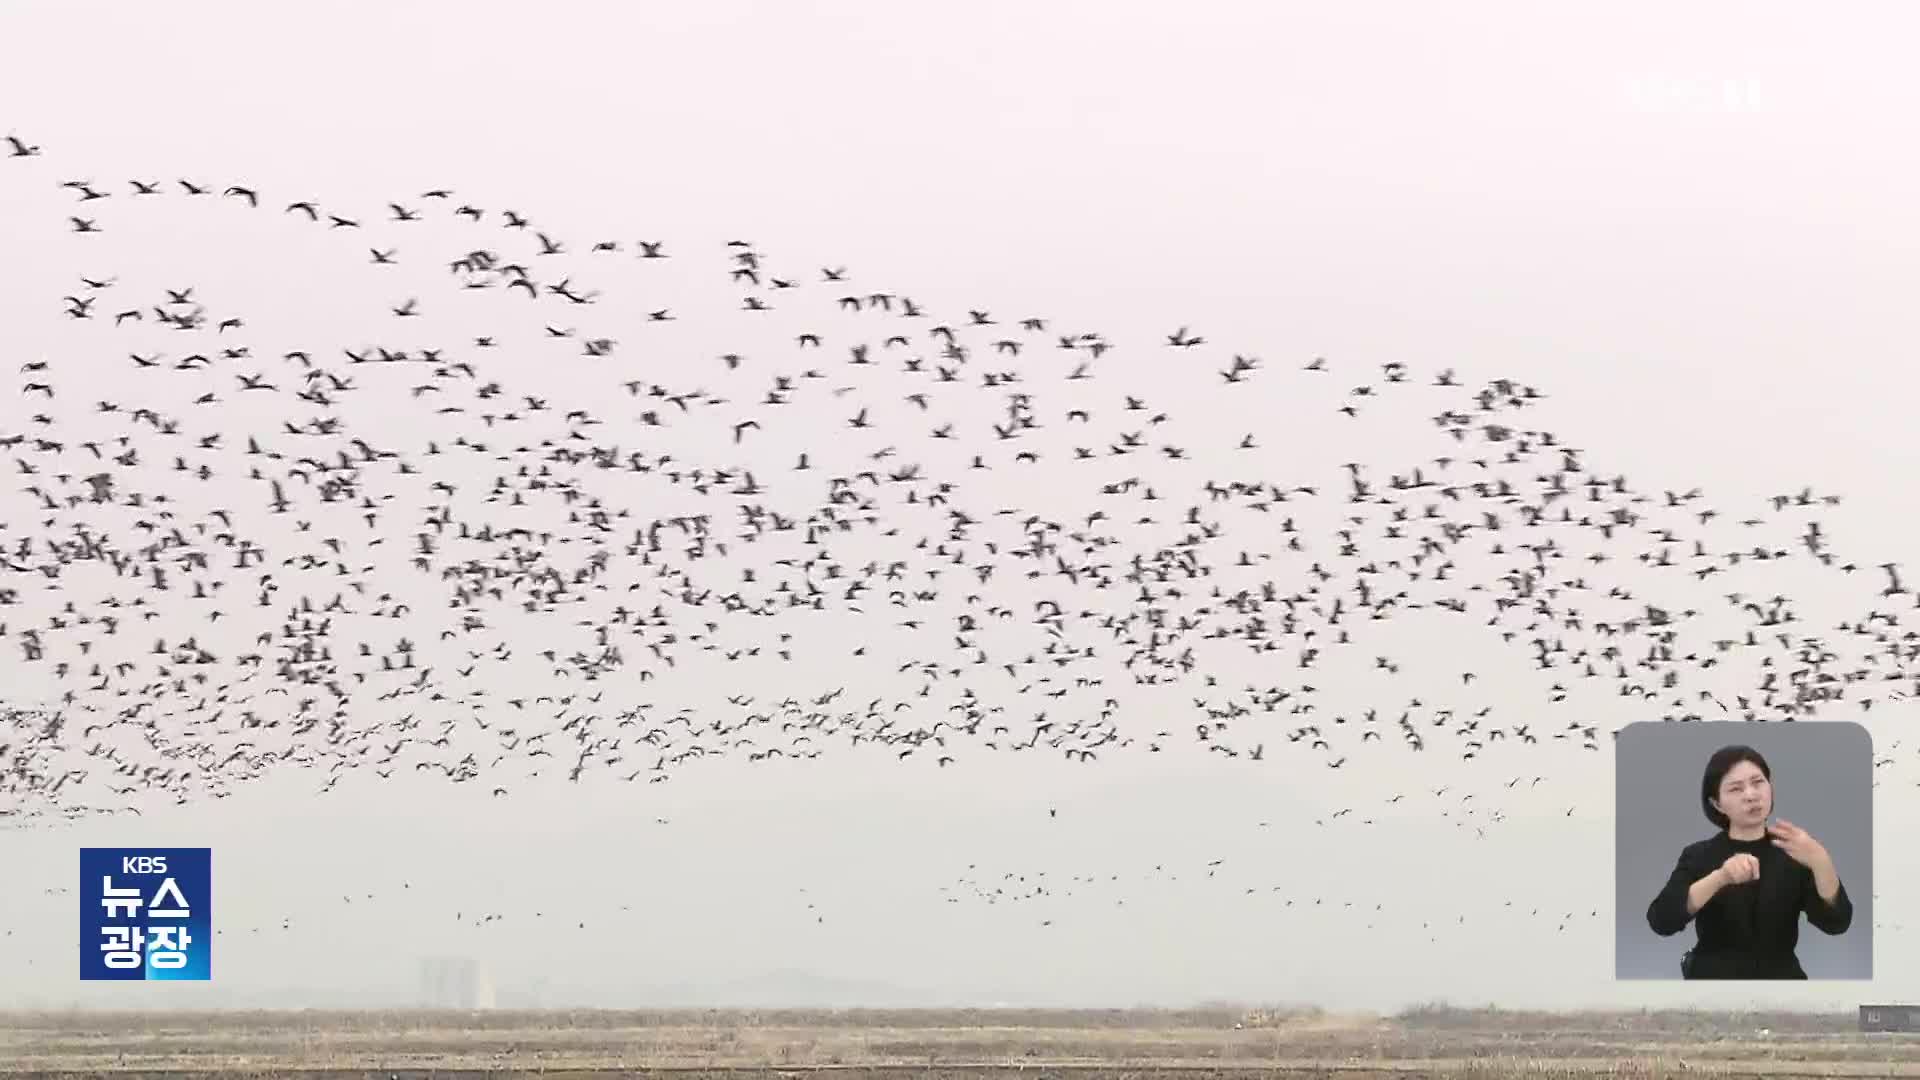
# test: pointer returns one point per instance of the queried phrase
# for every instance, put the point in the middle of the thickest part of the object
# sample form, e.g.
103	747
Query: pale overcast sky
1686	227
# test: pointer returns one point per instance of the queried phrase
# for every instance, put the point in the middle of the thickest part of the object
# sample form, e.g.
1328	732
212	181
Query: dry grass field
1196	1044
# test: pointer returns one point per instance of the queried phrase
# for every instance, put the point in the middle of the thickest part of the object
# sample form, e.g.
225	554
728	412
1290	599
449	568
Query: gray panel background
1822	781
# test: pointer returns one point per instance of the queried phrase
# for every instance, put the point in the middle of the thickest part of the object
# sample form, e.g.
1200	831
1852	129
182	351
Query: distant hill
779	988
798	989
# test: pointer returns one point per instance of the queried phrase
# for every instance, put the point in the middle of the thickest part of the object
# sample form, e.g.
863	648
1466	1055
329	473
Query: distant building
454	982
1890	1018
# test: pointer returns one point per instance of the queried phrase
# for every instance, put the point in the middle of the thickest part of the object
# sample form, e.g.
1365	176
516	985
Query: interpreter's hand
1799	844
1741	868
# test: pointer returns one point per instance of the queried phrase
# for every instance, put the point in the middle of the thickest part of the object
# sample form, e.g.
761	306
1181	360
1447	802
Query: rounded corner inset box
1855	726
1743	851
146	914
1635	729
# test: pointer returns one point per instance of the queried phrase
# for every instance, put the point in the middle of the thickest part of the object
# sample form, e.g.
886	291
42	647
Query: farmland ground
957	1044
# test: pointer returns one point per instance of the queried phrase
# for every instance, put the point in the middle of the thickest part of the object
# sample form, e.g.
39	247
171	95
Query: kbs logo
146	913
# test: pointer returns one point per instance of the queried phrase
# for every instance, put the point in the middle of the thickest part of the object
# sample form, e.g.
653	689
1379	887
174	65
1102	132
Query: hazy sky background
1689	226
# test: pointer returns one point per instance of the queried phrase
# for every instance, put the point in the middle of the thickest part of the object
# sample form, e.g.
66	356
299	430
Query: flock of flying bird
575	531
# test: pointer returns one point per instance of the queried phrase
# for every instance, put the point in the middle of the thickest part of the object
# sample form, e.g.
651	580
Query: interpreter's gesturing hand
1741	868
1799	845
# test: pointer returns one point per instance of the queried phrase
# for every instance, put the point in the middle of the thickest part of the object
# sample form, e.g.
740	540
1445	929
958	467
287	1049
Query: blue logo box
146	914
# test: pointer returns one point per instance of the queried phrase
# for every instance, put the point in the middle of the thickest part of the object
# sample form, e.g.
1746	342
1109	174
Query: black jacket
1750	930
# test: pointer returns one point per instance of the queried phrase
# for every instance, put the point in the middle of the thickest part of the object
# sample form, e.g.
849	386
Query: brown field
1226	1043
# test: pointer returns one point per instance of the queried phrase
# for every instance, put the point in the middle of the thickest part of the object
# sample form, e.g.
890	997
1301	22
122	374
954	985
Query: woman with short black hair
1745	887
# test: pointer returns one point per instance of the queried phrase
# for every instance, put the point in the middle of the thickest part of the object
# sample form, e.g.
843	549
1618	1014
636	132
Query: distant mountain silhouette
798	989
791	988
